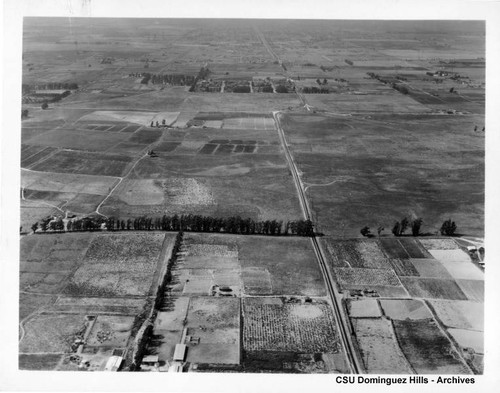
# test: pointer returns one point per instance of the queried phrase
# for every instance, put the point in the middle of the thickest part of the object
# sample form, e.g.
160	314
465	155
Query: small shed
113	363
180	352
150	360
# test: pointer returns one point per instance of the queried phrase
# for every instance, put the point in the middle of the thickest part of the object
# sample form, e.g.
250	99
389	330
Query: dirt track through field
121	179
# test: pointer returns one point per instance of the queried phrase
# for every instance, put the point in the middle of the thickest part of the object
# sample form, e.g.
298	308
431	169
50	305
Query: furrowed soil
289	327
427	349
378	347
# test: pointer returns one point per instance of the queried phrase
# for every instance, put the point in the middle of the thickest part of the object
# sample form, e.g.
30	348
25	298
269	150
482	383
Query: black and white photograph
223	191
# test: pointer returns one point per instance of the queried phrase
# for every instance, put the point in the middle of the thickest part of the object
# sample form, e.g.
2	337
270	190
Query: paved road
344	333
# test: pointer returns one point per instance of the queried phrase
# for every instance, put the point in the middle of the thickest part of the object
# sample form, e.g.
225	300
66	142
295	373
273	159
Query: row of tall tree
396	86
177	80
161	292
184	222
448	228
400	227
315	90
49	86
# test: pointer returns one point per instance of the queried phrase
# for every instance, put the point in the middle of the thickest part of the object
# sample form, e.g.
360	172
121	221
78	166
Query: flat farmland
268	266
39	362
290	264
430	268
118	265
33	211
206	311
433	288
34	153
47	193
249	185
347	276
213	323
460	314
402	309
78	140
64	278
67	182
206	263
469	339
378	347
382	168
357	254
473	289
136	117
363	308
178	99
57	333
85	163
101	305
118	325
398	133
366	103
67	248
289	327
439	244
427	349
450	256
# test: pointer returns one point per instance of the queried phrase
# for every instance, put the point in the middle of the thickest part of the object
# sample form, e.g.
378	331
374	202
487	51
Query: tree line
179	80
448	228
26	89
315	90
185	222
402	89
144	340
202	75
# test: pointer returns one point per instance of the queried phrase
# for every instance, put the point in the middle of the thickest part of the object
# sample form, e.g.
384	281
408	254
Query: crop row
277	328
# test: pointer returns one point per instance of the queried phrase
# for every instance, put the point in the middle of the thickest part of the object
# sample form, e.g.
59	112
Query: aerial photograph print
262	195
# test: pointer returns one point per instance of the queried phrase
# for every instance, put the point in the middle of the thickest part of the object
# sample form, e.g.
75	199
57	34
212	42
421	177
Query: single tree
365	231
45	224
379	230
34	227
325	82
45	105
24	114
448	228
404	225
396	229
415	226
152	124
163	122
59	224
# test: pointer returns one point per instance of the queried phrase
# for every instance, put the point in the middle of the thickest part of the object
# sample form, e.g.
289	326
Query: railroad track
345	336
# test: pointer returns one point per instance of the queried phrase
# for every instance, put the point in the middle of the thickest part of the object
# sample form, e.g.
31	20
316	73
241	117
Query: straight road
344	333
